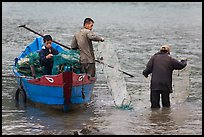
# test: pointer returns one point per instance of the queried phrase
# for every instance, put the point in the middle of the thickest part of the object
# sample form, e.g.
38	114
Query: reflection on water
39	119
161	120
136	34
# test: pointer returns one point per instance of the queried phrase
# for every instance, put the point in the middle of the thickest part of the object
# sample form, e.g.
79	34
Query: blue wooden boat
65	89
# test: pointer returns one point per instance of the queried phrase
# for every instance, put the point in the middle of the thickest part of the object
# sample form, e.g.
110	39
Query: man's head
165	48
88	23
47	40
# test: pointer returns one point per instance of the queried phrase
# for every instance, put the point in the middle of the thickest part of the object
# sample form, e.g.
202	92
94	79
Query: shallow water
113	75
136	31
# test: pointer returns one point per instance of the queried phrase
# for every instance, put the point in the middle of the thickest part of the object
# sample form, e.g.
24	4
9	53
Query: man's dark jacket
161	65
48	63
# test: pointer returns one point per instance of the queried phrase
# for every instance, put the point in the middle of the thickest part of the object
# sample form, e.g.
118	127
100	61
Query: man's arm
178	65
74	44
94	37
42	57
148	68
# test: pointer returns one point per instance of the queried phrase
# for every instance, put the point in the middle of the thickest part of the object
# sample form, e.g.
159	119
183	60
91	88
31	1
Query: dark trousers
155	98
89	69
48	69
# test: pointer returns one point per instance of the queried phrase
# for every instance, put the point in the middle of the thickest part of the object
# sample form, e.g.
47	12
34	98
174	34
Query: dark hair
88	20
46	38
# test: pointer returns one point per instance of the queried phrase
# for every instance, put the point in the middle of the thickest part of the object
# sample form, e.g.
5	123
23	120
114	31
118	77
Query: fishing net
115	79
23	65
181	85
64	61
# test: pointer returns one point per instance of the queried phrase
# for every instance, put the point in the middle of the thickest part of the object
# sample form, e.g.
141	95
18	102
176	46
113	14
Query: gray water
136	31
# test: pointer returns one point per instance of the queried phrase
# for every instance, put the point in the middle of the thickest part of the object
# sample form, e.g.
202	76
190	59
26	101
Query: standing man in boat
46	54
161	65
82	41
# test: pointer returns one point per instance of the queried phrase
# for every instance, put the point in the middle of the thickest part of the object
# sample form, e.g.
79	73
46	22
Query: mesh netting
23	65
115	79
64	61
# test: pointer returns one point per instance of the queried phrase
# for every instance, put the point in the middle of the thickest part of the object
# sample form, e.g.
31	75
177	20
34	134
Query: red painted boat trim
81	79
48	80
60	79
65	80
67	87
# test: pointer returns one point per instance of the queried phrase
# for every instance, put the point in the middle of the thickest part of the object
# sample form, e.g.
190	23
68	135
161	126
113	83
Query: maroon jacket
161	65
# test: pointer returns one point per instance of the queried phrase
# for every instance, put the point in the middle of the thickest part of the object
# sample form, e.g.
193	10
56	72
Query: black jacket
48	63
161	65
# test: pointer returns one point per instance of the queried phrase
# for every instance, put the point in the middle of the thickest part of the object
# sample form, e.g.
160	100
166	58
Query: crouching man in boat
82	41
46	54
161	65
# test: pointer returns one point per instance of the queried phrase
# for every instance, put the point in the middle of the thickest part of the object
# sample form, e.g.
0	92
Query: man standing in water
161	65
82	41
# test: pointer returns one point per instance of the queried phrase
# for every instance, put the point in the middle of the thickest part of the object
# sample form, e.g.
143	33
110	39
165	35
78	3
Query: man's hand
49	56
184	60
102	39
146	75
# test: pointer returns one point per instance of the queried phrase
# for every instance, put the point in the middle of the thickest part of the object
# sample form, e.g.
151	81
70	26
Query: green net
23	65
65	61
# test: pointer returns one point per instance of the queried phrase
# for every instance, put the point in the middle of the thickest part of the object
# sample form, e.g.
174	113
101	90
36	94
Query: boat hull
64	89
